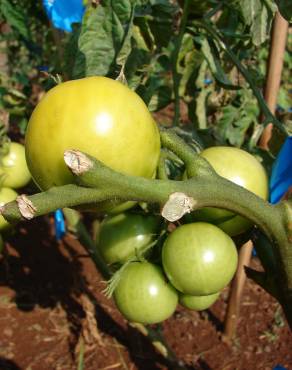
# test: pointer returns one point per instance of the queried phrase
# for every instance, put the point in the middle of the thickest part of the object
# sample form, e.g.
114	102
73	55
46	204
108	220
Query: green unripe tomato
122	235
96	115
241	168
143	295
14	172
198	303
6	195
199	258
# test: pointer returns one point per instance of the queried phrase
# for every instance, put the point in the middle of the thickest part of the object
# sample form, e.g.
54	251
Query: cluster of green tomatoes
193	263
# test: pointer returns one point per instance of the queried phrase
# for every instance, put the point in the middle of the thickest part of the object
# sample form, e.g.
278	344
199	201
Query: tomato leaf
285	8
161	21
258	15
15	17
105	38
211	54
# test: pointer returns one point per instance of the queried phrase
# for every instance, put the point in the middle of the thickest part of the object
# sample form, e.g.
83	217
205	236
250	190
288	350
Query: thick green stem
204	189
54	198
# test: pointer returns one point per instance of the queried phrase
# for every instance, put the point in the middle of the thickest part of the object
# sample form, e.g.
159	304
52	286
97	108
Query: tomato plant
197	7
241	168
199	258
199	302
13	168
6	195
122	235
99	116
143	294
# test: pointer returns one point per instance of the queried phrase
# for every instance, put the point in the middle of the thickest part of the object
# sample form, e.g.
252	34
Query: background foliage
136	40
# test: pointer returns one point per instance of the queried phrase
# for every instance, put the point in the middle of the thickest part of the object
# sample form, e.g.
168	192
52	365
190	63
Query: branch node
26	207
177	206
77	162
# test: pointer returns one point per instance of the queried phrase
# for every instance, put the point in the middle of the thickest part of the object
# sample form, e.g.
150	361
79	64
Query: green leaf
15	17
201	99
265	252
213	59
258	15
105	38
160	98
285	8
161	21
237	118
260	27
71	51
250	9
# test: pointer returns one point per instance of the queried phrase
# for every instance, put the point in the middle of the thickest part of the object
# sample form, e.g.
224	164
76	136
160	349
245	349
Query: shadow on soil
45	273
8	365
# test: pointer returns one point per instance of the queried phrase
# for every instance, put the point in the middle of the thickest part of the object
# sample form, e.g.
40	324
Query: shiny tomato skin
199	258
121	236
96	115
198	303
143	295
13	167
241	168
6	195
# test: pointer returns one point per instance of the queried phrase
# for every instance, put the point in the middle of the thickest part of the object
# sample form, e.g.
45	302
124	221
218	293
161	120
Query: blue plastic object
60	227
281	177
63	13
279	367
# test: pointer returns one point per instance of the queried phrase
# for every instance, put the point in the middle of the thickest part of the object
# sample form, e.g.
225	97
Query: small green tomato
123	235
199	258
6	195
143	295
13	168
198	303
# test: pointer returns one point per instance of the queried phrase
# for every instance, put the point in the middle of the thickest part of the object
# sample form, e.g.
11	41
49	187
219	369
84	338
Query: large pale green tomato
199	258
6	195
13	168
143	295
198	302
241	168
123	235
96	115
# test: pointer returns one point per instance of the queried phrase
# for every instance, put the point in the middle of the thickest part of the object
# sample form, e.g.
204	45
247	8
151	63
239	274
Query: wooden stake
236	290
276	57
273	80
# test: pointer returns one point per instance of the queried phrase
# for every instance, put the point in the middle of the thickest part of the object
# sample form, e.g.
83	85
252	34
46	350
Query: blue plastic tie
62	13
281	177
60	227
279	367
208	81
